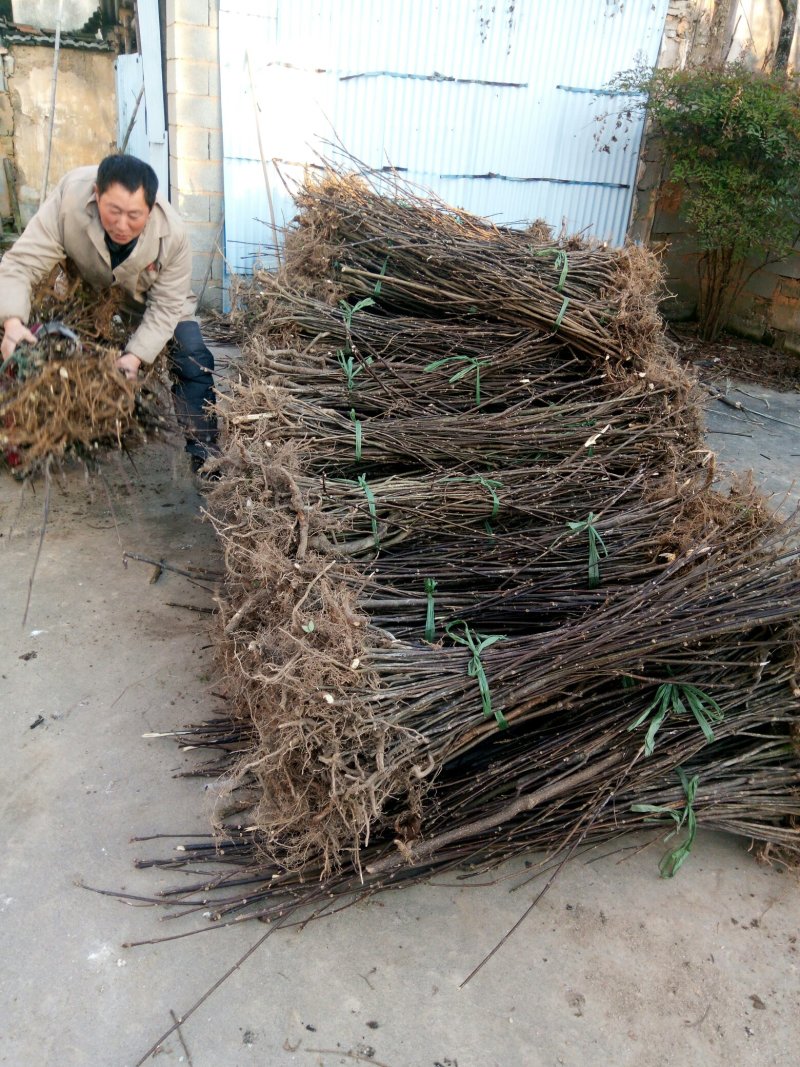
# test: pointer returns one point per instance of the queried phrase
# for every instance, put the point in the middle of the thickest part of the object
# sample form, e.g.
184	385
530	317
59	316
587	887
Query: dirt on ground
736	358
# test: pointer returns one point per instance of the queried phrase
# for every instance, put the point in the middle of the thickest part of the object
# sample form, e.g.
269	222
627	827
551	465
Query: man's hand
129	365
15	332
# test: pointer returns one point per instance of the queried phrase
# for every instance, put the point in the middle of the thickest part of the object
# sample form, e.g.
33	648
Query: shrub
731	138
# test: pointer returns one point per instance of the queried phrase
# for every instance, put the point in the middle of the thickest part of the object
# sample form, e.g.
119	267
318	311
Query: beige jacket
156	276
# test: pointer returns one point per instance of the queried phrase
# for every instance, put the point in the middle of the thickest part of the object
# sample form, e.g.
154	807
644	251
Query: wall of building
700	32
195	135
708	31
42	13
6	130
85	126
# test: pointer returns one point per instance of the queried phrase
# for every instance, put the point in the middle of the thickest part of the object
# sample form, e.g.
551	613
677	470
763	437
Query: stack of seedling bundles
480	596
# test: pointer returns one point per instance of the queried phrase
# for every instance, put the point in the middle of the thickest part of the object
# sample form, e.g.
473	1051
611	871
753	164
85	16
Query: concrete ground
614	966
762	435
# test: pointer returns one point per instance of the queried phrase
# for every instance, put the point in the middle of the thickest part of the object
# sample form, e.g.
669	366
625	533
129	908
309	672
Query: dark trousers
192	365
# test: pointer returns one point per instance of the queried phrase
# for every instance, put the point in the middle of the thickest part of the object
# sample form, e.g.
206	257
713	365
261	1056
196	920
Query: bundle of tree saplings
481	596
64	395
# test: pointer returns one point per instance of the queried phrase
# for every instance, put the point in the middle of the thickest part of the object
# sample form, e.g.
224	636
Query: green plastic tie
476	643
24	359
362	481
351	370
473	363
672	861
562	312
344	358
357	427
674	697
562	264
594	540
490	484
430	622
377	290
348	312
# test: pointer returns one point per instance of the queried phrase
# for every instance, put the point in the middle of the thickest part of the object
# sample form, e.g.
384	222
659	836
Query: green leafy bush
731	138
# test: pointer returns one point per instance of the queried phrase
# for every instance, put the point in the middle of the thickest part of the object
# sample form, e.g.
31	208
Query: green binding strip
674	697
378	284
348	312
18	359
476	643
594	540
562	264
473	363
672	861
362	481
351	369
344	357
491	485
357	427
430	622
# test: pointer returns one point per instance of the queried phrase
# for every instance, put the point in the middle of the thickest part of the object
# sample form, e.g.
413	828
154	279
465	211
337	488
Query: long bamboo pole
256	111
51	124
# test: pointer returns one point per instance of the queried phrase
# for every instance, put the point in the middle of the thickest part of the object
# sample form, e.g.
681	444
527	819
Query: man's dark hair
130	172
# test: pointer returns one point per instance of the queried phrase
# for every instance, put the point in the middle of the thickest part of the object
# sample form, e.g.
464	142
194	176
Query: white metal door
130	105
148	140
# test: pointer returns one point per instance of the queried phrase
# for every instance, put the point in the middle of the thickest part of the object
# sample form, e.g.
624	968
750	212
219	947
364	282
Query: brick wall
195	135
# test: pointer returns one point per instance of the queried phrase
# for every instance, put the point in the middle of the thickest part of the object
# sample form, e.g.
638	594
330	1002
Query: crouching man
117	231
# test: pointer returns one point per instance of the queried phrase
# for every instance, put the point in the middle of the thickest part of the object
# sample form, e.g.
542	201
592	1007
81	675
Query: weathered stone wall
711	31
86	115
195	135
6	131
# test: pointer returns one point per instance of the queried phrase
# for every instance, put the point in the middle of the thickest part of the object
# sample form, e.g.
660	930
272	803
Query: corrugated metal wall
490	103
